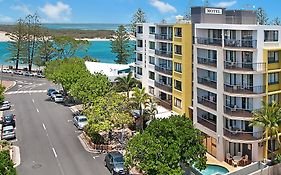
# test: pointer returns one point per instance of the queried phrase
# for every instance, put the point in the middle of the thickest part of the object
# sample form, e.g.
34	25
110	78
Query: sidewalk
8	84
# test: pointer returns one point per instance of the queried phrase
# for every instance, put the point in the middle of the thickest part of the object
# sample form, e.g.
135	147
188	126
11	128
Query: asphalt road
45	133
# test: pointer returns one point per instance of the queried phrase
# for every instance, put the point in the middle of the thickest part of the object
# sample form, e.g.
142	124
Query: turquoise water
214	170
92	26
98	49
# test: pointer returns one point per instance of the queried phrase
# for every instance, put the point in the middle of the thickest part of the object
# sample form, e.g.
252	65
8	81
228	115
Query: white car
5	106
5	70
80	121
10	71
58	98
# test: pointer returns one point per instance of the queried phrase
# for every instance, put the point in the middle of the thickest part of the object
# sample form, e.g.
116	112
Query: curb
86	147
16	155
8	88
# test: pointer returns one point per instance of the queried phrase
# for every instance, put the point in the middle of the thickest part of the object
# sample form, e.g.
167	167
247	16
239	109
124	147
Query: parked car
10	71
5	70
80	121
114	161
5	106
9	120
27	74
8	133
49	91
53	94
18	72
58	98
39	75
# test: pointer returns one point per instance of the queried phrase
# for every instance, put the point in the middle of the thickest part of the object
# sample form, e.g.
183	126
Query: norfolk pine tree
276	21
262	17
139	17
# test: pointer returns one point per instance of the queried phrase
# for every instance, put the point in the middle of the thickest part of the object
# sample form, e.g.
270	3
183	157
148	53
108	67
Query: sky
118	11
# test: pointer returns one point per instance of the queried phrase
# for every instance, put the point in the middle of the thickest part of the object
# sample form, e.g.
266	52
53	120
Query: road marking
32	100
77	131
54	151
44	126
69	120
12	110
37	110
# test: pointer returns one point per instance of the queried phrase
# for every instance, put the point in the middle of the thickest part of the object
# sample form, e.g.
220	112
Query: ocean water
100	50
90	26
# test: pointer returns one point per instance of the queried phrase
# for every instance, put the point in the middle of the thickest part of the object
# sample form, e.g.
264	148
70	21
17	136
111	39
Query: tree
6	164
140	99
276	21
91	59
66	47
268	117
164	145
139	17
126	84
151	109
121	45
108	112
2	90
16	45
262	18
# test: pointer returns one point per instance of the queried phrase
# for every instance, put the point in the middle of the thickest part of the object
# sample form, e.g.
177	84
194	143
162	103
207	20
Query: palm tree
151	108
126	83
140	99
268	117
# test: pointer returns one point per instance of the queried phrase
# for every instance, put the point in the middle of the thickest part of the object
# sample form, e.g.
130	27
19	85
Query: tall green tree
126	84
268	117
140	99
16	45
6	164
121	45
276	21
151	109
262	17
138	17
164	145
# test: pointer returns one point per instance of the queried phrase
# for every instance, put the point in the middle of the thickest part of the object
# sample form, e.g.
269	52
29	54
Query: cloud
22	8
163	7
58	12
6	18
225	4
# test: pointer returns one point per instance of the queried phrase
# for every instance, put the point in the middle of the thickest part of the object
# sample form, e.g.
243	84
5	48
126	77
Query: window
178	85
151	75
177	103
139	57
178	32
178	67
151	45
273	57
152	30
271	35
151	90
273	78
178	49
151	60
139	43
139	70
140	29
272	98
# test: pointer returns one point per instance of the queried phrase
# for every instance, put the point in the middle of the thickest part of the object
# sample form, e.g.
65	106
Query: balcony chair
245	159
228	158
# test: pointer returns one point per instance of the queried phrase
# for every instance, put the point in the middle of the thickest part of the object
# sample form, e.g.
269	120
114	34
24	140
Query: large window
178	85
273	57
139	43
151	60
151	75
140	29
177	103
151	90
139	70
273	78
178	32
139	57
270	35
152	30
178	50
178	67
151	45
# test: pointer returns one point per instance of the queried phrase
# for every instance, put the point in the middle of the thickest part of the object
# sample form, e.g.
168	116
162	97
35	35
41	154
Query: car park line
32	100
54	151
44	126
37	110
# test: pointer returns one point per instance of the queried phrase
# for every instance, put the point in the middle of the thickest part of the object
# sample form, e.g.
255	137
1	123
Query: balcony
165	103
245	43
163	70
164	87
209	41
207	123
207	101
164	37
244	89
164	53
237	112
244	66
207	82
238	134
207	61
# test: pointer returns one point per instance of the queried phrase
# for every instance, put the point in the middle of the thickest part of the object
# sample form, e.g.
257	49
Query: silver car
80	121
8	133
5	106
58	98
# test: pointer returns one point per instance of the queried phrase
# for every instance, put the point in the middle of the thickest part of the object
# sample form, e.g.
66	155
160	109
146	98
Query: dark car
114	161
49	91
9	120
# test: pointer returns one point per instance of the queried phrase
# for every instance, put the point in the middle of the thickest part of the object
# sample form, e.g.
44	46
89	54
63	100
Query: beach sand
4	37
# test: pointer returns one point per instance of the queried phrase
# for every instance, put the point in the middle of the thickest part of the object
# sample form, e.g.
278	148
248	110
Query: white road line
32	100
37	110
54	151
44	126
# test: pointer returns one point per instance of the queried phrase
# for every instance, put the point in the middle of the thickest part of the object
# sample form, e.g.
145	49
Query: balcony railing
246	66
209	102
244	89
207	123
207	61
237	112
162	86
207	82
164	70
164	53
240	43
165	103
238	134
164	37
209	41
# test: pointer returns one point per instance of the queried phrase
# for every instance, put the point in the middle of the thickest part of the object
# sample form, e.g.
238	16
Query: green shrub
6	165
95	136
